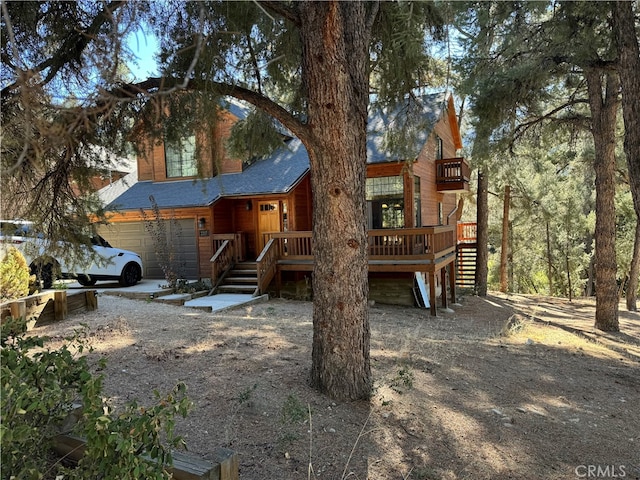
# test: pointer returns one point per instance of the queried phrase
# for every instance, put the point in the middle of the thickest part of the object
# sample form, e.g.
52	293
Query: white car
104	263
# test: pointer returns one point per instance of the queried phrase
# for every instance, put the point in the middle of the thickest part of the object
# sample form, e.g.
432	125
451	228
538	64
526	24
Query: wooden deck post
452	281
443	283
432	293
278	281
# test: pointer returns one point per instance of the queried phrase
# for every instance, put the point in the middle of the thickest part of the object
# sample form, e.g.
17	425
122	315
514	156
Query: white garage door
180	239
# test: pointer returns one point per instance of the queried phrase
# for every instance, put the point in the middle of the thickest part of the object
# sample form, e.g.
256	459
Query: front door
268	220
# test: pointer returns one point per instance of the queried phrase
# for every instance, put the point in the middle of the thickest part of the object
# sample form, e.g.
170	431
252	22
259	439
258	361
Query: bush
166	250
39	385
14	275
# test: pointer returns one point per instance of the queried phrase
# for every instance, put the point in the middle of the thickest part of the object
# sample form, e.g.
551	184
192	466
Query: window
439	149
383	187
417	204
385	202
180	158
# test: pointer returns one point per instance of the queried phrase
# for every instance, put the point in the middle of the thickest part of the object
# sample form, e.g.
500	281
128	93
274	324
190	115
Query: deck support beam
432	293
443	283
452	281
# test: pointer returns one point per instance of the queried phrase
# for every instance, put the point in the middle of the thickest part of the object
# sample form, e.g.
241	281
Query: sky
144	45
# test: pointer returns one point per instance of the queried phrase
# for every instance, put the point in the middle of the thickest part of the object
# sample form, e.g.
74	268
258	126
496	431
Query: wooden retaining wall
223	463
43	308
223	466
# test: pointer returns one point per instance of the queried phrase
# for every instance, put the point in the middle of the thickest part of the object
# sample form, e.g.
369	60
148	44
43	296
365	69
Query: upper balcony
452	175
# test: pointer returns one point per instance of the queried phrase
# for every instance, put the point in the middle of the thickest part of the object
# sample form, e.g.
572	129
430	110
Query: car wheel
130	275
86	281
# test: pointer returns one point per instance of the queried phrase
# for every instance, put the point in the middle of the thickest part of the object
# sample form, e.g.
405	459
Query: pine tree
543	64
309	66
629	65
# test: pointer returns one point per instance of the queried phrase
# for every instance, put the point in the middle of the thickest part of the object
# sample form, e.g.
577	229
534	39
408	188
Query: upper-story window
180	158
439	149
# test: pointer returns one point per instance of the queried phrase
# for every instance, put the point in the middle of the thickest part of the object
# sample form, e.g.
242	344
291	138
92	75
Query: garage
180	237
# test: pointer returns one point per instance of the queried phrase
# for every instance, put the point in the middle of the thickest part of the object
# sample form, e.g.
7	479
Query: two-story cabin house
224	215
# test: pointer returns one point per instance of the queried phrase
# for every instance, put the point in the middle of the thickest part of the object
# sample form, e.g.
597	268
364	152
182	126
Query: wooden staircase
466	254
242	278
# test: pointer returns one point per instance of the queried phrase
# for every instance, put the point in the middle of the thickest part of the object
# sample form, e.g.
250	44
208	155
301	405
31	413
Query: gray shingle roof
277	174
280	172
416	118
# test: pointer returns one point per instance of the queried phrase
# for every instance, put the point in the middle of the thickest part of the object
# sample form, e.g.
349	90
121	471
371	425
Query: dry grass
459	396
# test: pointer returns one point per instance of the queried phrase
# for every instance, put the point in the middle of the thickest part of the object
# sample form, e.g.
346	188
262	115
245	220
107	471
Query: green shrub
38	385
14	275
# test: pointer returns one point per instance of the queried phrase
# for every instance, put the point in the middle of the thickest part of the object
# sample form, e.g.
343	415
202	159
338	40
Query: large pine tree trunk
482	258
629	55
335	40
603	91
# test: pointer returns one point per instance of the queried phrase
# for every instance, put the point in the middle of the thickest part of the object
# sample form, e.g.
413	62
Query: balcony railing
467	232
452	174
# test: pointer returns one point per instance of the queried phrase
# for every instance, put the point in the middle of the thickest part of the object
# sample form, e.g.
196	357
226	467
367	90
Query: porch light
202	223
248	205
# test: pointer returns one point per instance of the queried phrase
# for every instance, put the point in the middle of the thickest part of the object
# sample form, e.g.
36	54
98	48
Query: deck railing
412	248
467	232
266	264
418	243
422	243
222	260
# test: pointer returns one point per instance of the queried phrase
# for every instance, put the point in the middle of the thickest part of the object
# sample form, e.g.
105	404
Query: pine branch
281	8
71	49
579	120
161	86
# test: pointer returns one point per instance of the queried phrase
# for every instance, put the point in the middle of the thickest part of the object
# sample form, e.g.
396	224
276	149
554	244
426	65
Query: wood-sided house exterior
220	211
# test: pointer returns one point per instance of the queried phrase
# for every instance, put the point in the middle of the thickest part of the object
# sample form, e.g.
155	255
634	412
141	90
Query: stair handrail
221	263
266	264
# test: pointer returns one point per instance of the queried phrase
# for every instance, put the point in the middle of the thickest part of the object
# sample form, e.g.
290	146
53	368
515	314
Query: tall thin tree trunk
629	55
603	92
504	254
568	267
549	262
634	273
482	258
335	38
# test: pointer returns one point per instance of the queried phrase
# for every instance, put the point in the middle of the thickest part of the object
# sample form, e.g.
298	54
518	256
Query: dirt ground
507	387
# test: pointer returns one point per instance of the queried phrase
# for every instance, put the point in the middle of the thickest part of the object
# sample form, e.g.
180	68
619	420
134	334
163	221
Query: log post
18	309
91	300
59	305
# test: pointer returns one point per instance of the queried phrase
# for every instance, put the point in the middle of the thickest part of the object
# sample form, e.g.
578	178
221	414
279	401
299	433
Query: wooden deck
430	250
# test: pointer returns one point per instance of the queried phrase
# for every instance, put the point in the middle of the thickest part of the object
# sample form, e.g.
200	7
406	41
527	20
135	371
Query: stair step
242	273
246	266
228	288
233	279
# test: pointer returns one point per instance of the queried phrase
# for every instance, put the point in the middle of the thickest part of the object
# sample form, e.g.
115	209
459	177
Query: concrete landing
223	301
152	289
